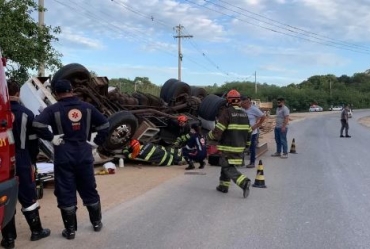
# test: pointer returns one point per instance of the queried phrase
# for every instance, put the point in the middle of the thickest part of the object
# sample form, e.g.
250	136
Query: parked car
8	181
336	108
315	108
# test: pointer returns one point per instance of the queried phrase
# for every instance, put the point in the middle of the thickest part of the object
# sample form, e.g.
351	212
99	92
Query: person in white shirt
256	119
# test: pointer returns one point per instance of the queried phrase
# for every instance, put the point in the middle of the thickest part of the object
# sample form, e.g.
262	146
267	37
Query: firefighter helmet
233	96
135	148
182	119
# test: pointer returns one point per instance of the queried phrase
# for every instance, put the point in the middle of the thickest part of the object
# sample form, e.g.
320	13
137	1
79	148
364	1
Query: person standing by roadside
26	144
256	118
281	129
344	121
71	121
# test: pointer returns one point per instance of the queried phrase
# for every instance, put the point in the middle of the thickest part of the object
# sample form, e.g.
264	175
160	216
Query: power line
277	31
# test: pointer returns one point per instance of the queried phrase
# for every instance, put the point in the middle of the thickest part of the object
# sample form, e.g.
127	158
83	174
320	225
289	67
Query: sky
271	41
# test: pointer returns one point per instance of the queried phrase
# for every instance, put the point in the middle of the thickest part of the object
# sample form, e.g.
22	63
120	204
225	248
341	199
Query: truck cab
8	180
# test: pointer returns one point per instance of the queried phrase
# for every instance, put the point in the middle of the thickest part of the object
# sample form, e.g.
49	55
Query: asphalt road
318	198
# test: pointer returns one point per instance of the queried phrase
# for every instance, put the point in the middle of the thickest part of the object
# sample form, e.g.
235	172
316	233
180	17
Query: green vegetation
323	90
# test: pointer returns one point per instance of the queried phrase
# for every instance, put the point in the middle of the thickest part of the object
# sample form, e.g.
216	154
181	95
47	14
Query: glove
94	145
57	139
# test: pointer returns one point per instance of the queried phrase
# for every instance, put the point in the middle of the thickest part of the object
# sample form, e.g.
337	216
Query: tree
23	42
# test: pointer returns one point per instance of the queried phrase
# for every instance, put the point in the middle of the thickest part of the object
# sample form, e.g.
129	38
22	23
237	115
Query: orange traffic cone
292	147
259	182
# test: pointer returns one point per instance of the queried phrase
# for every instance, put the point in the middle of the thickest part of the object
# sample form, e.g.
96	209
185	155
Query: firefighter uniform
73	159
233	133
26	150
155	154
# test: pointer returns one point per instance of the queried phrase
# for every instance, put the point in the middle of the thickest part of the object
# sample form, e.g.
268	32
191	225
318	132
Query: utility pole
255	82
179	36
41	25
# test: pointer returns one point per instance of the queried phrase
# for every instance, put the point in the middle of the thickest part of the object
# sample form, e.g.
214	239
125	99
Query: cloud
79	40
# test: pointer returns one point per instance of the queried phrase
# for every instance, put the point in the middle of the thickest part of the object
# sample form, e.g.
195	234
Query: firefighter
195	149
26	145
233	133
71	121
155	154
184	135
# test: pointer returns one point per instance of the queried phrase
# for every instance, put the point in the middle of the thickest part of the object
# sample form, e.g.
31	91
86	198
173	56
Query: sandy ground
127	183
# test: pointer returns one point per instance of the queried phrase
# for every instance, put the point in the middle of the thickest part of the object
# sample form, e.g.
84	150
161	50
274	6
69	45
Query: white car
315	108
336	108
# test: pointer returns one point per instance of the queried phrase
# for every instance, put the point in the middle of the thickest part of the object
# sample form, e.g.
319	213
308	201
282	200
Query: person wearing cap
281	129
71	122
184	129
195	149
256	118
26	151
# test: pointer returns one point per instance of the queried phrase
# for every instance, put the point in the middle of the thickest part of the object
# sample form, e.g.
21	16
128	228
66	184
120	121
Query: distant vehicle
8	181
336	108
315	108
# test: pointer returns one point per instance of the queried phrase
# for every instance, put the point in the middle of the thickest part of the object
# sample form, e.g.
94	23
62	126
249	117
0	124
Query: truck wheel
199	92
210	107
123	126
74	72
166	88
178	88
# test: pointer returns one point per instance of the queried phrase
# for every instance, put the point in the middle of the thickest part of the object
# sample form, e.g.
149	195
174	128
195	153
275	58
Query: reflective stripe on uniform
23	135
225	183
163	158
149	154
210	135
230	148
239	127
103	126
240	179
220	126
39	125
32	137
88	121
58	122
169	163
235	161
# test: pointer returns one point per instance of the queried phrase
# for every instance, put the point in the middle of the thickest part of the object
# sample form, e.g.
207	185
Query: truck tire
199	92
123	126
176	90
210	107
166	88
74	72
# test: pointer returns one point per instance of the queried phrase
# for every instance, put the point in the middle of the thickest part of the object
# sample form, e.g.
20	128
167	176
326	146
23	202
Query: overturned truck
138	115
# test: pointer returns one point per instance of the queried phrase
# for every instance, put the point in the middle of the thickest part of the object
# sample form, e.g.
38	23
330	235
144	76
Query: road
318	198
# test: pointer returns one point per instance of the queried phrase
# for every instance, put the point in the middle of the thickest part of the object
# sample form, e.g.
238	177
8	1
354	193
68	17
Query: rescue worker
184	135
152	153
195	149
233	133
71	121
26	145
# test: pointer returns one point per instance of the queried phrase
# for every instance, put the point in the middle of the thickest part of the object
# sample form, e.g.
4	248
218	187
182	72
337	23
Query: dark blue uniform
195	148
73	159
26	145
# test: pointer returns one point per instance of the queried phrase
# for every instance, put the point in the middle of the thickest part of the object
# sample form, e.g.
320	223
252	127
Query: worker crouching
195	149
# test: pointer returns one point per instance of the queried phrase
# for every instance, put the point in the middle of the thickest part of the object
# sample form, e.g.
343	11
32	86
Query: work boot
202	164
34	222
95	216
70	222
251	165
191	164
9	234
222	189
245	186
